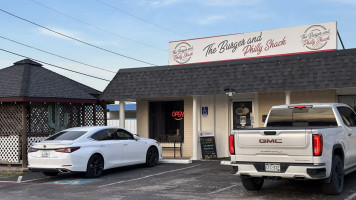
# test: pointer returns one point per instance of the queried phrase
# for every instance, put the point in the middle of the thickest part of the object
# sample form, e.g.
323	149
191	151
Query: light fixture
229	91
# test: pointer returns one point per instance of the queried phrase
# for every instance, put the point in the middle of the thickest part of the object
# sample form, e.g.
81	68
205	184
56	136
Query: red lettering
270	140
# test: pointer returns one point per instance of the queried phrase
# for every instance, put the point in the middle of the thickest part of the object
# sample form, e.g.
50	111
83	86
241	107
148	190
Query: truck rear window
301	117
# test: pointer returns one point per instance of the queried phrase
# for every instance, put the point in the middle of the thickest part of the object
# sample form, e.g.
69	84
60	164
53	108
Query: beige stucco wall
314	96
143	124
142	118
266	100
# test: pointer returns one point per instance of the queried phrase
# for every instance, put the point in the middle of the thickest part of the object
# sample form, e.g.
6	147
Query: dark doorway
166	121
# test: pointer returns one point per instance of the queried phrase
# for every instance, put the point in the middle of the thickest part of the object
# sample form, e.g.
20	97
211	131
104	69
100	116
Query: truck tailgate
274	143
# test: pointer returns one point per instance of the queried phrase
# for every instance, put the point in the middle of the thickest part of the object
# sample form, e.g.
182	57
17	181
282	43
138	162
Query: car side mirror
136	137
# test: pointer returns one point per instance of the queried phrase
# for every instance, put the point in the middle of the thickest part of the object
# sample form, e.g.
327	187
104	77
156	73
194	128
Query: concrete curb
175	161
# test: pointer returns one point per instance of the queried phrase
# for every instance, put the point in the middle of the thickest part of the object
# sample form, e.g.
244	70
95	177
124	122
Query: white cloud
211	19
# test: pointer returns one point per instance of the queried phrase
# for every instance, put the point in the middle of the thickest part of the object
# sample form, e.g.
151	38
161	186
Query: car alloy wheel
151	157
95	166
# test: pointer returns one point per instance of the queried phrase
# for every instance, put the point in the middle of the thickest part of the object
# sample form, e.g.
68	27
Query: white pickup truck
312	141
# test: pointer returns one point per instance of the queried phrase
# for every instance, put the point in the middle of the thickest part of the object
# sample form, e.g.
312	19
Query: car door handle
125	144
102	145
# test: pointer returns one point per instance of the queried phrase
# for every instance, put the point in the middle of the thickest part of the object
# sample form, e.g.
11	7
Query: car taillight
317	145
32	149
231	144
68	150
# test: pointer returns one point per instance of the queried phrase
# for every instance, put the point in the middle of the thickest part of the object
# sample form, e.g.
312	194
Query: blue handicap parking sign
205	111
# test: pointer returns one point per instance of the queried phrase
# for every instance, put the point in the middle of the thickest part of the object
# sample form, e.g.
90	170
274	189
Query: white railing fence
130	124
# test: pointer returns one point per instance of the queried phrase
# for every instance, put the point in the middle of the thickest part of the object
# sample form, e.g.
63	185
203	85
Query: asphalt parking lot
198	180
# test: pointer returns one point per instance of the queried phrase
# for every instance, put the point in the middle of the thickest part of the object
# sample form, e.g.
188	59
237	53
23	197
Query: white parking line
351	196
223	189
34	180
135	179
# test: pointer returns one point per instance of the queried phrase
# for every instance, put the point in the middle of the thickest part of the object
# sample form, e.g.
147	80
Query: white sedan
92	150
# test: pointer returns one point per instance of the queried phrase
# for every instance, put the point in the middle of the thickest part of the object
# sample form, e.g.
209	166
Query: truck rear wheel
337	177
252	184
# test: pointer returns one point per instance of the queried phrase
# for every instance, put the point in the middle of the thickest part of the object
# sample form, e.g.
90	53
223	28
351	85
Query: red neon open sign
178	115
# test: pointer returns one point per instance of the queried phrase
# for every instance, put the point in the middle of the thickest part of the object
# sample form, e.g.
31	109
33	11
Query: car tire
50	173
151	157
336	184
95	166
252	184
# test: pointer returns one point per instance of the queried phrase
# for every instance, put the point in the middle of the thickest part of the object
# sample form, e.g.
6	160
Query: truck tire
252	184
337	177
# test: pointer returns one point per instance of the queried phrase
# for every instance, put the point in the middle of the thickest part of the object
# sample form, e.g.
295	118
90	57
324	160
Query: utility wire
142	19
78	40
54	65
96	27
55	54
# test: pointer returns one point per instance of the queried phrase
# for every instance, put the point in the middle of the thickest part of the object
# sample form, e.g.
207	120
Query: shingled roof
27	79
323	70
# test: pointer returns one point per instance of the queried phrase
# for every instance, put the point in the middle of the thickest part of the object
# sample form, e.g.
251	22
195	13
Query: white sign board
284	41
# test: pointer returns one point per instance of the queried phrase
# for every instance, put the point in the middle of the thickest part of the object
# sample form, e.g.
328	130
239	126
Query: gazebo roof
27	80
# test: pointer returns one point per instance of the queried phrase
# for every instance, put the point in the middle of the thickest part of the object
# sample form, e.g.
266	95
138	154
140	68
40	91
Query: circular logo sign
316	37
182	53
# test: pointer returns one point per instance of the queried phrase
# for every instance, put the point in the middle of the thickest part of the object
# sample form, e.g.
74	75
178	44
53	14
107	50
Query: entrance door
242	114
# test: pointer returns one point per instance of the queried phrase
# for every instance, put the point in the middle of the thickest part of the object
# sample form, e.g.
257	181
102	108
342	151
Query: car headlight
157	143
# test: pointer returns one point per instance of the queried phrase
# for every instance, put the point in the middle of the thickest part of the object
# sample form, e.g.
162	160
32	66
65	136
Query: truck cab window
348	116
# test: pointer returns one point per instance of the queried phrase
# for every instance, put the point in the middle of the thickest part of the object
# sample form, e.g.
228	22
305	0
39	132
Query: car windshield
67	135
302	117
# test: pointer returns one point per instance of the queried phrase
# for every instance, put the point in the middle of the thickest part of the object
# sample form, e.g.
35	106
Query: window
106	134
348	116
304	117
166	121
124	135
67	135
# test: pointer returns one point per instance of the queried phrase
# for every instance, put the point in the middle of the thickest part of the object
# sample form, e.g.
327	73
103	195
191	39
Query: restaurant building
205	91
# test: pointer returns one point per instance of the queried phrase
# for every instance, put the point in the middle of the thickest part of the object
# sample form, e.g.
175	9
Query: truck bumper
298	171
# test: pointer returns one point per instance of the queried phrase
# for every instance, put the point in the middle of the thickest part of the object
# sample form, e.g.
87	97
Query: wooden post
94	114
24	136
105	113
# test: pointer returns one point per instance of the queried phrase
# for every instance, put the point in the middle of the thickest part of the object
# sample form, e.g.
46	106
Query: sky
136	33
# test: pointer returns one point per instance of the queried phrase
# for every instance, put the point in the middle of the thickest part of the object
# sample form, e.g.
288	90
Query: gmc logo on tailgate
270	140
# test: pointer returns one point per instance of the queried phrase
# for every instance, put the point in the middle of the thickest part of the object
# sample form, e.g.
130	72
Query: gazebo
36	102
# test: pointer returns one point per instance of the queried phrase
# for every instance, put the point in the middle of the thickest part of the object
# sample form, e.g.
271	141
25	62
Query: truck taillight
317	145
231	144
